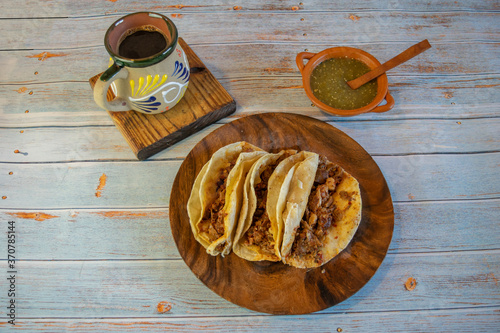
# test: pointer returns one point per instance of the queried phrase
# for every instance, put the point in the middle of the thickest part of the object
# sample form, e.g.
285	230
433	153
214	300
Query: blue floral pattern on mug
142	92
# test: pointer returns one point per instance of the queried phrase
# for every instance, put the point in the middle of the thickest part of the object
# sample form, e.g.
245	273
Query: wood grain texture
128	234
478	320
270	26
204	102
394	137
133	288
148	183
420	97
60	8
432	63
265	286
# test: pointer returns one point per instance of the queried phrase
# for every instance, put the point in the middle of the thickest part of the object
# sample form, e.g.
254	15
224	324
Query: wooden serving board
204	102
275	287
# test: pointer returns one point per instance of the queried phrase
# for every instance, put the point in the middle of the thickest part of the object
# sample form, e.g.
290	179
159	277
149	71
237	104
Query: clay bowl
314	59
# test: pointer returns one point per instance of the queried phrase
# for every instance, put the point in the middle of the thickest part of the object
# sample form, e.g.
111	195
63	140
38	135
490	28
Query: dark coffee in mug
142	42
149	72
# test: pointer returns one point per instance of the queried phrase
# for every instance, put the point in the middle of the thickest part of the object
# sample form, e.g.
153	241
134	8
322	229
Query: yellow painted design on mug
154	86
148	82
155	80
141	82
145	88
132	84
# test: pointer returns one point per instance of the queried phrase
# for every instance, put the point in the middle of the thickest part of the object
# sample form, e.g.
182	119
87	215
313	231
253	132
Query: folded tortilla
321	215
258	234
215	201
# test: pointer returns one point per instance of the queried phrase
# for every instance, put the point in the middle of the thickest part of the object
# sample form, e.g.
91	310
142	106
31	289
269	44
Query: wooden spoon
397	60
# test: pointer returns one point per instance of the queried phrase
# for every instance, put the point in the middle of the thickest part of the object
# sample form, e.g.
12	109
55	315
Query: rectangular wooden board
204	102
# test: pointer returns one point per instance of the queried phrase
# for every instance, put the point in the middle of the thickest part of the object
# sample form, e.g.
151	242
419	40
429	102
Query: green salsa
329	83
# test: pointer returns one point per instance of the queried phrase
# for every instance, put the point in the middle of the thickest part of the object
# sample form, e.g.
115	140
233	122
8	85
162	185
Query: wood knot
410	284
195	70
163	307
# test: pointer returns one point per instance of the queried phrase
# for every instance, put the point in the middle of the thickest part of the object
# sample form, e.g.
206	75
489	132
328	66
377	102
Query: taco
258	234
215	201
322	213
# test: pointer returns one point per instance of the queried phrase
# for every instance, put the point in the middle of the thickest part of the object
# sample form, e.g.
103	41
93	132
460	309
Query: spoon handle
404	56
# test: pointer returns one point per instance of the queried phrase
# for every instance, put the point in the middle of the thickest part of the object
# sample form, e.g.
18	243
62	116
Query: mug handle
301	57
387	106
101	87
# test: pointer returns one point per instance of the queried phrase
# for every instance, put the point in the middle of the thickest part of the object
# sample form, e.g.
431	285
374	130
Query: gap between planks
229	10
173	159
143	208
326	118
389	254
434	311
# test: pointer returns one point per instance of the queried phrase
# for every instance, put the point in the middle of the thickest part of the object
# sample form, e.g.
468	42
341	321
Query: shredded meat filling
321	213
259	233
212	222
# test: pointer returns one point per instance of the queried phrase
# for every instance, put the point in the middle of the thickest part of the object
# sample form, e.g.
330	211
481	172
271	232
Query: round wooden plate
275	287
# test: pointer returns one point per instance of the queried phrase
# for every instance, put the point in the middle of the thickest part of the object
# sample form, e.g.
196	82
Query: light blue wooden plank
19	67
145	233
52	8
94	234
72	104
80	144
52	144
85	289
148	183
441	177
373	26
121	184
446	226
472	320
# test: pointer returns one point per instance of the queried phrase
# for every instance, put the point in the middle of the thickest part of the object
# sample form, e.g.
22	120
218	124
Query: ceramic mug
150	84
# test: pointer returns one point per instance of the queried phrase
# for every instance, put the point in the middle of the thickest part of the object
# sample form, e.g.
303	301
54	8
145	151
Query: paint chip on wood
448	94
164	307
354	17
100	187
45	55
410	284
33	216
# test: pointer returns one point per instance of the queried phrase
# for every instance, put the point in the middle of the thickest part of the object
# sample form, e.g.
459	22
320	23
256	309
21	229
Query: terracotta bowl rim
340	51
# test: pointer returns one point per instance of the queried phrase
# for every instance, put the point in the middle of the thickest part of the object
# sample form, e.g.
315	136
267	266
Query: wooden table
93	247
